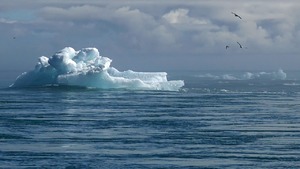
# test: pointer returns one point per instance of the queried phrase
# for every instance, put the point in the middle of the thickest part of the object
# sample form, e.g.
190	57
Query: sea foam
86	68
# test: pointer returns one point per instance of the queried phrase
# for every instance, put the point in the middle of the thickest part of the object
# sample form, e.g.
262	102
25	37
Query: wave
86	68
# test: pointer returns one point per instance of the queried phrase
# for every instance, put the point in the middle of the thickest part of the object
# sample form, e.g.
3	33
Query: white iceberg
86	68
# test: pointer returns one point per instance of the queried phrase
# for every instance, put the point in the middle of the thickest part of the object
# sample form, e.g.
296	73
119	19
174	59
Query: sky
155	35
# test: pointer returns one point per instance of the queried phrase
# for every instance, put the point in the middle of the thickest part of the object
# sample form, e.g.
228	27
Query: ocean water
217	120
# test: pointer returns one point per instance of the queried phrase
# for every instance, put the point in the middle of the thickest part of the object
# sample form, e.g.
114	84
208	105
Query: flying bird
236	15
227	47
239	44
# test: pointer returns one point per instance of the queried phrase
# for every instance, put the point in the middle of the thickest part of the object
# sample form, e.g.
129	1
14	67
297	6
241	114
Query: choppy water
211	123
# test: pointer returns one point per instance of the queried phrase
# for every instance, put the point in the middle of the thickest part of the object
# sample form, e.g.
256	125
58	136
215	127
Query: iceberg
86	68
276	75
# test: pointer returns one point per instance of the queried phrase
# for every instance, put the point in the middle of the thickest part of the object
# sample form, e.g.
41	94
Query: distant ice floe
86	68
277	75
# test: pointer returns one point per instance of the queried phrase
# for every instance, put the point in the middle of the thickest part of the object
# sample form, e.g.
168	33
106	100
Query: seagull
239	44
236	15
227	47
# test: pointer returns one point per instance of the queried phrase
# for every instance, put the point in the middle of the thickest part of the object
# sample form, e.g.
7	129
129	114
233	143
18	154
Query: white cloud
180	17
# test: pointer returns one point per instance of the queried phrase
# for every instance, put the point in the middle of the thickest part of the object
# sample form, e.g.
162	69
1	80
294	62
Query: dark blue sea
217	120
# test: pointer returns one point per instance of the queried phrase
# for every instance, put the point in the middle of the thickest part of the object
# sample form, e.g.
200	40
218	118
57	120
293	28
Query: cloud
198	30
124	26
180	16
177	27
6	21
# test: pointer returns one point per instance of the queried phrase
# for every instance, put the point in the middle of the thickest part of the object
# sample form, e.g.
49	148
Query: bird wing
239	44
236	15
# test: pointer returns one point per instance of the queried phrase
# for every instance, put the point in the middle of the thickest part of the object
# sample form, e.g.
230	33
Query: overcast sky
145	35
